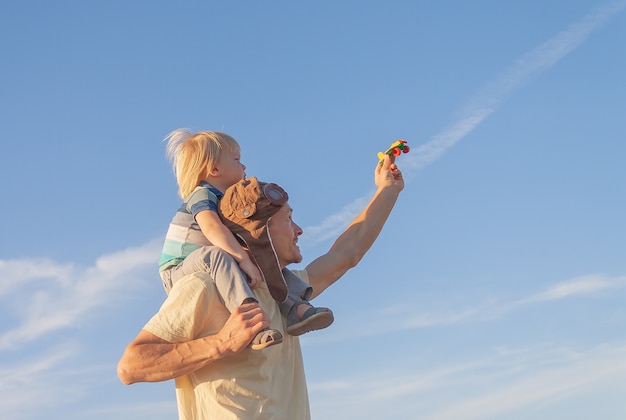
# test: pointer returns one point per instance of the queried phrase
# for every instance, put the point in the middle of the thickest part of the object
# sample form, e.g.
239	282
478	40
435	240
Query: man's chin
296	259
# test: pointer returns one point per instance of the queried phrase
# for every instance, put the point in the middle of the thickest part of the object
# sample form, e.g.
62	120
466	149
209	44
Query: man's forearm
361	233
157	360
354	242
149	358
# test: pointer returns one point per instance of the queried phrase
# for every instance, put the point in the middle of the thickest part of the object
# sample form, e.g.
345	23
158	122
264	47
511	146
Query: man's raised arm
356	240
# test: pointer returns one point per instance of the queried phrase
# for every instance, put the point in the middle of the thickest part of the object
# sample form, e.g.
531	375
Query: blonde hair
194	155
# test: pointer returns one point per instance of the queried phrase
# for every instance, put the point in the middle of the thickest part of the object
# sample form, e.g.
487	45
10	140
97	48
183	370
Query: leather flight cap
246	210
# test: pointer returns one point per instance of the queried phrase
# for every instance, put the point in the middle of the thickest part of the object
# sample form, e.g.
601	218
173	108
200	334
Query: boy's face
284	232
230	168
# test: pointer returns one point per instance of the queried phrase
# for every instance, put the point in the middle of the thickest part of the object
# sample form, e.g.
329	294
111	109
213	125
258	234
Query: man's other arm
356	240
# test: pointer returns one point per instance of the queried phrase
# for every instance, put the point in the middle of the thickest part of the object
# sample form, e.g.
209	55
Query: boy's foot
265	338
302	319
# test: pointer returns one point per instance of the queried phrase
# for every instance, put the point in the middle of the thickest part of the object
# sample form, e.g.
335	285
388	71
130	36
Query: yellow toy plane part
396	149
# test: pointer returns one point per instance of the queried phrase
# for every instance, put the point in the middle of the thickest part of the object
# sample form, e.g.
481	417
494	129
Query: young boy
206	163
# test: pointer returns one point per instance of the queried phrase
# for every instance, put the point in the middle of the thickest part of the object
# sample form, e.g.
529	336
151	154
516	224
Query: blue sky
496	289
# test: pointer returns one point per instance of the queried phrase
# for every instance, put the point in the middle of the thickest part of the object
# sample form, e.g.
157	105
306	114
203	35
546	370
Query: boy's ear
214	171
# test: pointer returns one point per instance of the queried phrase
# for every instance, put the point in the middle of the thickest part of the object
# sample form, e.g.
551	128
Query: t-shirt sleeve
201	199
176	320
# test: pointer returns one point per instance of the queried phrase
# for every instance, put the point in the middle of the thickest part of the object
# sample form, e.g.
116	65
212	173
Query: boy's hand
253	273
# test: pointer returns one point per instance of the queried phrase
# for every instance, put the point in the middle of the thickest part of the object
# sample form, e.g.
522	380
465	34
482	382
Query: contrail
478	109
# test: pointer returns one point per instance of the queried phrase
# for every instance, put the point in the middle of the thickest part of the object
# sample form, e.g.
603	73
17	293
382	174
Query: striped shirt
184	235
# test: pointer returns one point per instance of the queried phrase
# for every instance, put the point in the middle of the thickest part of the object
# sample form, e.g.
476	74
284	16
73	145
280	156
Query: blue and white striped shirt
184	235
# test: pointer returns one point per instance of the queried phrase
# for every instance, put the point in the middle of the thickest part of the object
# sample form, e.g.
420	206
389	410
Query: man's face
284	233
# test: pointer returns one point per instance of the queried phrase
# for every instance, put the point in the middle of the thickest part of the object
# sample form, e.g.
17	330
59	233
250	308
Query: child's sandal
312	319
265	338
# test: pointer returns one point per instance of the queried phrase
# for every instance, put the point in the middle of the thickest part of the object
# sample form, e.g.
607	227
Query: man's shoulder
197	280
302	274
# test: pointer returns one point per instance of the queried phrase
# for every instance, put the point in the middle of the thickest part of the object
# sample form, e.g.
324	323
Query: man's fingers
252	313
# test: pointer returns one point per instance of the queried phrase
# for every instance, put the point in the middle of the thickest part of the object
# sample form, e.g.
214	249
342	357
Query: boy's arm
356	240
149	358
220	236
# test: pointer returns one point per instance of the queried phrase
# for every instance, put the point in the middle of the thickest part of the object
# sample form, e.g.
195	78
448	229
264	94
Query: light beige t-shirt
252	384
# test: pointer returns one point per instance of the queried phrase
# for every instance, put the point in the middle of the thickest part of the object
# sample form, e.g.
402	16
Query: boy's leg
166	279
230	282
298	290
310	318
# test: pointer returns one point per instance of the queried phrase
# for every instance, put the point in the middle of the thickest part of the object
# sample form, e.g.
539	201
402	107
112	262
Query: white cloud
482	106
373	394
496	385
47	297
140	410
333	225
541	382
410	316
576	287
16	273
34	380
423	155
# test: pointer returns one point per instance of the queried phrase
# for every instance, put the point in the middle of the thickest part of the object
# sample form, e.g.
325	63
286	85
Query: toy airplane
396	149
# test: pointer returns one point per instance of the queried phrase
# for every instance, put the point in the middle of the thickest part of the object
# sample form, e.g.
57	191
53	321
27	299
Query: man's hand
388	174
244	323
149	358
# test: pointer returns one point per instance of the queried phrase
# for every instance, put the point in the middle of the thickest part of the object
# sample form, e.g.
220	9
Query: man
195	340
